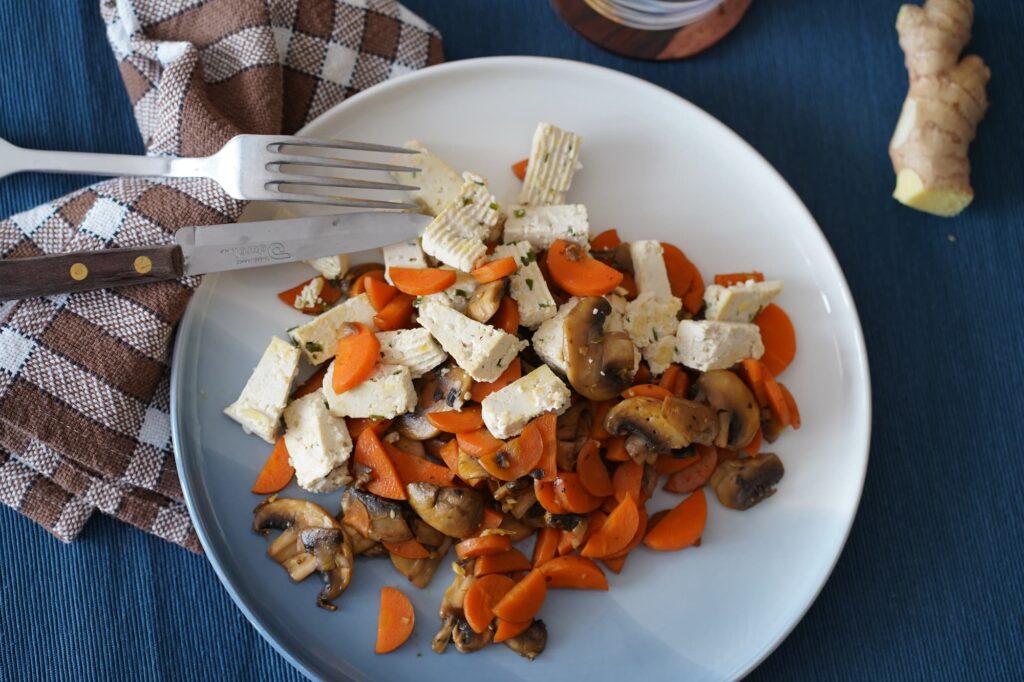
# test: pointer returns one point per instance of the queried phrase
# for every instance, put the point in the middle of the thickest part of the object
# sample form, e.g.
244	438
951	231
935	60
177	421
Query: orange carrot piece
421	281
484	544
277	472
518	457
647	391
467	419
643	374
478	443
548	425
579	274
492	518
495	270
408	549
380	293
668	464
519	168
358	517
680	269
754	446
638	537
614	564
778	336
616	532
565	543
482	389
546	546
356	356
571	494
776	400
616	450
507	317
359	286
329	294
627	480
591	470
693	301
794	411
507	630
396	314
574	572
608	239
311	385
545	493
731	278
682	385
396	621
481	598
371	453
697	474
755	372
356	425
670	377
507	562
413	469
629	284
523	601
681	527
597	429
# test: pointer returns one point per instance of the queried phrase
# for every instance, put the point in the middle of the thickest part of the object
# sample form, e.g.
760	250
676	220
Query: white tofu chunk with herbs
386	393
706	344
458	294
414	348
649	318
506	412
554	158
446	245
542	225
309	297
739	302
649	268
318	338
403	255
438	182
660	354
527	285
262	401
483	351
318	444
331	267
616	320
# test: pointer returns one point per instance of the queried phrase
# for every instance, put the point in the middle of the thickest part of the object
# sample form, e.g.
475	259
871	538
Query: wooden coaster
655	45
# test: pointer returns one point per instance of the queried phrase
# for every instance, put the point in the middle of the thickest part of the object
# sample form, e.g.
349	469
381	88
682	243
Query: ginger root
945	102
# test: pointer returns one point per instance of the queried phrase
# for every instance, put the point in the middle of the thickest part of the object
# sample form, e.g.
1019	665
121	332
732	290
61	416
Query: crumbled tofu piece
507	412
414	348
549	339
739	302
616	320
309	297
649	268
542	225
527	285
480	349
318	338
403	255
387	393
554	158
259	407
318	444
331	267
649	318
706	344
438	182
446	245
660	354
457	295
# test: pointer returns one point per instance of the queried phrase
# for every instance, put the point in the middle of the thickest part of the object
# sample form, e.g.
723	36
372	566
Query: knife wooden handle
87	270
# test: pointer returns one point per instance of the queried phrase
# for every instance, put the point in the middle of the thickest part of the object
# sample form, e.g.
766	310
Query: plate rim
863	374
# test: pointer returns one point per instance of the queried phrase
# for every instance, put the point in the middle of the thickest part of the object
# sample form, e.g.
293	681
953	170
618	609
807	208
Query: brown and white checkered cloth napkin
84	399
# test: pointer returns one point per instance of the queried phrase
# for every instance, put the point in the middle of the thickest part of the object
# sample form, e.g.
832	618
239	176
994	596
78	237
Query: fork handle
87	270
14	159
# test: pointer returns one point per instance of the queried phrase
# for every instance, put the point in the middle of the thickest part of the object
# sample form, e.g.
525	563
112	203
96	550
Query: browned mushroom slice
469	469
742	483
361	545
466	640
575	524
729	396
456	512
334	559
427	536
655	426
618	257
386	521
485	300
421	571
415	426
531	641
280	513
520	529
444	635
600	364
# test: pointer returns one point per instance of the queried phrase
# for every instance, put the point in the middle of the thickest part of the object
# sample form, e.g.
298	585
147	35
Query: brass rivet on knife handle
143	264
79	271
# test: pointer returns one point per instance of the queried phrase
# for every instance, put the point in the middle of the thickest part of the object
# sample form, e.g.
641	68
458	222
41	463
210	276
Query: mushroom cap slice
280	513
662	425
531	641
726	393
332	550
387	522
742	483
599	364
421	571
466	640
485	300
456	512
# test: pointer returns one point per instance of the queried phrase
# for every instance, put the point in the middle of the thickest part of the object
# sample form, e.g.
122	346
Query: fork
247	167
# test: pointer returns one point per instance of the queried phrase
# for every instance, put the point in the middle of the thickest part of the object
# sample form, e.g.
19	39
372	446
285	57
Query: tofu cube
660	354
309	297
318	338
554	158
457	295
739	302
549	339
481	350
649	268
331	267
707	344
387	393
414	348
507	412
649	318
438	183
527	285
542	225
318	444
259	407
403	255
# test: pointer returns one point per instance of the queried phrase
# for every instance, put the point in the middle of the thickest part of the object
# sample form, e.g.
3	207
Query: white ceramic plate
655	167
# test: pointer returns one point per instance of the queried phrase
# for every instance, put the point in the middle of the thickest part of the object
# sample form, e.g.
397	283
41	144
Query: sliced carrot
450	455
731	278
545	493
506	630
668	464
548	425
681	527
776	400
682	385
591	470
754	446
614	564
629	284
794	411
359	286
571	494
546	546
754	372
643	375
608	239
311	385
466	419
577	273
693	301
380	293
680	270
396	621
421	281
478	443
616	532
647	391
492	518
356	356
396	314
638	537
778	336
669	378
523	601
507	317
370	452
657	517
277	472
407	549
481	598
697	474
507	562
597	429
484	544
482	389
495	270
519	168
518	457
616	451
565	541
574	572
627	480
413	469
356	425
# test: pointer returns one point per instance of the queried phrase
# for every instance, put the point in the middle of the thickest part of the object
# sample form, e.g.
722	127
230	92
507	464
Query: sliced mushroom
742	483
531	641
655	426
599	364
450	390
516	529
421	571
771	429
469	469
427	536
444	635
280	513
362	545
334	559
575	524
726	393
574	420
485	300
466	640
348	280
565	455
456	512
618	257
415	426
386	521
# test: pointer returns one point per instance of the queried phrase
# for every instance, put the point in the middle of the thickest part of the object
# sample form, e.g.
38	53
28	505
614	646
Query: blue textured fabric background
931	583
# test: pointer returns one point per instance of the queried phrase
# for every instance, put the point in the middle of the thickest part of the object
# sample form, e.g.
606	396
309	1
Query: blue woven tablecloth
931	584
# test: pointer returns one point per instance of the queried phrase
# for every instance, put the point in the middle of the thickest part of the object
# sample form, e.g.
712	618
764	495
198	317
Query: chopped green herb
500	361
519	212
416	301
466	201
291	329
327	405
478	182
547	155
655	333
529	283
494	206
314	347
460	292
396	372
377	417
543	305
528	258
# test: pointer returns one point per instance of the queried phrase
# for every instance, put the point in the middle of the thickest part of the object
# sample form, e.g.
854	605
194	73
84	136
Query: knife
210	248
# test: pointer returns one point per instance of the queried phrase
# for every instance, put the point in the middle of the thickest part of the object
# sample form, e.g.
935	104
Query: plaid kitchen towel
84	399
